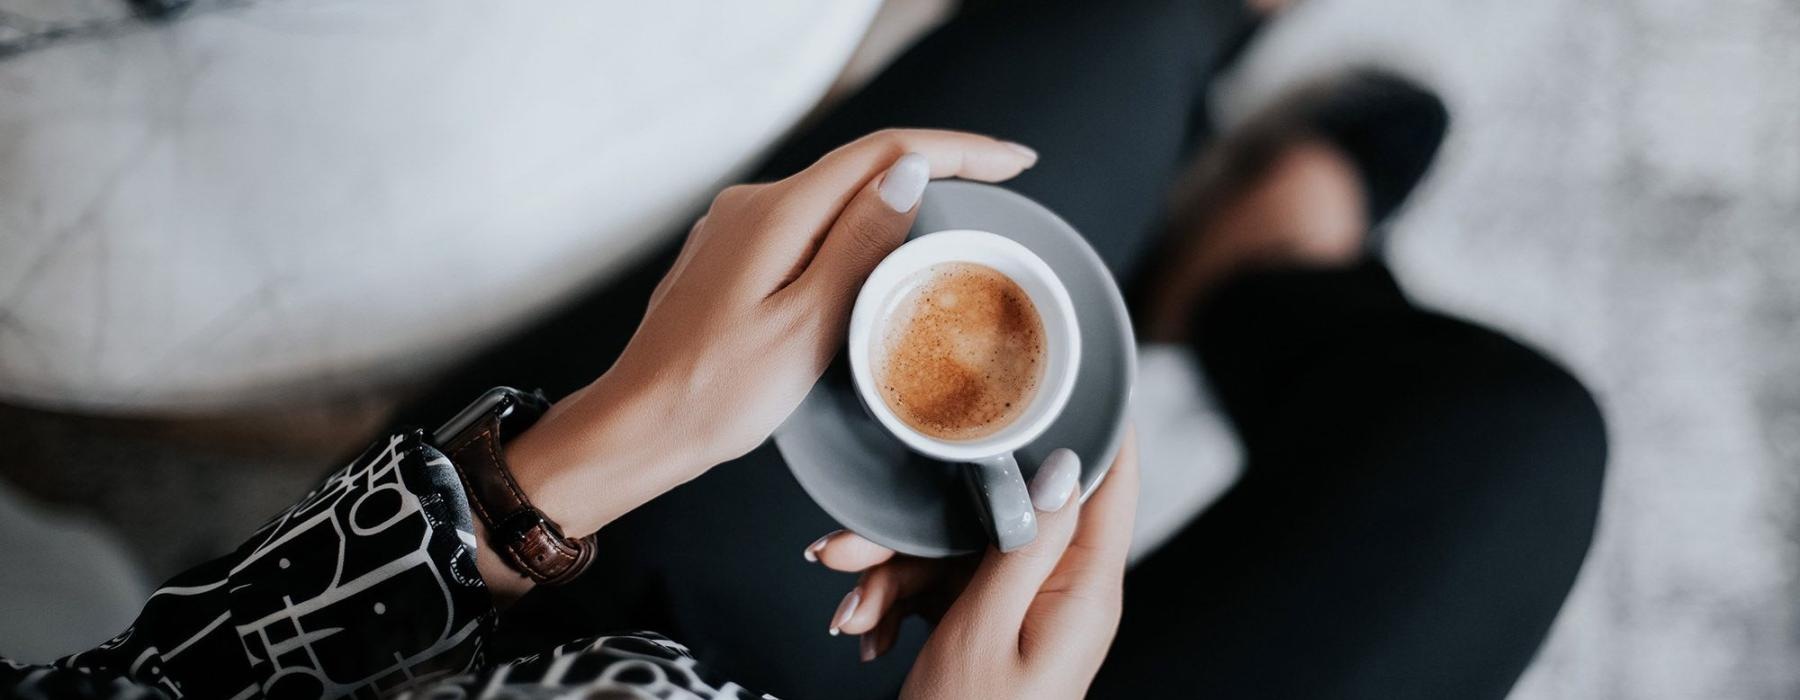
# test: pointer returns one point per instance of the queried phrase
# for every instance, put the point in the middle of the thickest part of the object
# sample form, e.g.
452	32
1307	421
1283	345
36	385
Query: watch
524	537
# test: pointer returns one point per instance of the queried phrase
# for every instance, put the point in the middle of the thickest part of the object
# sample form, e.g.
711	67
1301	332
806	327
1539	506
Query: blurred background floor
1621	187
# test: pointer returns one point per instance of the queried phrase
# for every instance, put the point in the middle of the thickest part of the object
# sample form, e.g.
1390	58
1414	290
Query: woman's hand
758	302
1034	623
753	310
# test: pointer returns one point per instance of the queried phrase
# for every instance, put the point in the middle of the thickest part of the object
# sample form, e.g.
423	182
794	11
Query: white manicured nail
812	550
867	644
1055	481
845	610
1022	149
905	182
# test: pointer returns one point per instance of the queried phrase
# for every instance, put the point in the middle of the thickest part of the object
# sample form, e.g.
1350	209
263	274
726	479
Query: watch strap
527	540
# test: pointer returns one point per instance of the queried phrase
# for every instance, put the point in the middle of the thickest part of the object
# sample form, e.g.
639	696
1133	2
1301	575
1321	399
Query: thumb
872	225
1004	585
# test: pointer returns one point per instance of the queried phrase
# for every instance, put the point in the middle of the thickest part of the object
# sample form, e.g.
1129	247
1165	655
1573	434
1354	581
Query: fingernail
868	647
1022	149
905	182
845	610
1055	481
812	550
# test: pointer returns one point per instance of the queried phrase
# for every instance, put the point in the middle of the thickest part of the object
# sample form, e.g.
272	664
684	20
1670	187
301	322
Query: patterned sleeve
365	588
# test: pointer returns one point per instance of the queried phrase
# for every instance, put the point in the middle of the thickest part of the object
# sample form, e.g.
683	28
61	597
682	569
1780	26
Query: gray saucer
874	486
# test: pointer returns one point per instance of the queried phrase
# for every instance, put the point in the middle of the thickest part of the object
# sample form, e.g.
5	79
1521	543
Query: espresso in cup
962	353
964	345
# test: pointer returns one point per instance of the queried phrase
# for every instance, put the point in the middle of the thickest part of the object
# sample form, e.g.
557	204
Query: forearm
596	455
352	584
366	587
367	581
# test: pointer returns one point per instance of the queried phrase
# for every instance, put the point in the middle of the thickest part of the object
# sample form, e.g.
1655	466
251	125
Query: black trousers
1419	493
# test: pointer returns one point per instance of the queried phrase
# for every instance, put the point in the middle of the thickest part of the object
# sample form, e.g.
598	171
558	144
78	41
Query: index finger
835	178
848	552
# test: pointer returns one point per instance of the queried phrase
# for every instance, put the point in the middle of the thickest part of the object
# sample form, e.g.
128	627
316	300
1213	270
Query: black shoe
1389	127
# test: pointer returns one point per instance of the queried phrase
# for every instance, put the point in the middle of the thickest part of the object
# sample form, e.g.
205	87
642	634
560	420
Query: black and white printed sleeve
365	588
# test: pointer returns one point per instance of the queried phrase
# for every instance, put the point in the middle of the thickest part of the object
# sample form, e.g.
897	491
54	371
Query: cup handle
1002	501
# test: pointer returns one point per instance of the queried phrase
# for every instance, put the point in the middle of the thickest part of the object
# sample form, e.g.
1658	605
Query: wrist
601	452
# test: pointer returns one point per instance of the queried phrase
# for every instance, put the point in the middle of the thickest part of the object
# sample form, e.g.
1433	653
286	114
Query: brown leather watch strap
527	540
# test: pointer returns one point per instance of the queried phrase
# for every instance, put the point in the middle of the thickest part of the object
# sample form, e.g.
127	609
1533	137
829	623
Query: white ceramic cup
992	472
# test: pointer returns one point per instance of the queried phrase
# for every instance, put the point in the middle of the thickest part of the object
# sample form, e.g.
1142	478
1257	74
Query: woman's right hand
1034	623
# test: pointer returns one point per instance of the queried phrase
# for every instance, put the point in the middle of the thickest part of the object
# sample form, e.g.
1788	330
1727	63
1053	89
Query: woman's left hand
1033	623
746	321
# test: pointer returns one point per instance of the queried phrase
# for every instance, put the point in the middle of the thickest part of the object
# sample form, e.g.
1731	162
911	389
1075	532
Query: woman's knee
1526	429
1551	415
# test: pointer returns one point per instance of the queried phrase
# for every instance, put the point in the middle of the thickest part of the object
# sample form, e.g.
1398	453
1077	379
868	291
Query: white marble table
284	199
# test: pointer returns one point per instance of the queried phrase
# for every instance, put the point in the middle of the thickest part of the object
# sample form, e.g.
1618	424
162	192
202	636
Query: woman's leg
1104	91
1419	495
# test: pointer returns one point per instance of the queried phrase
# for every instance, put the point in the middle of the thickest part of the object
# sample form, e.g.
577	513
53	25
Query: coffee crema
962	353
